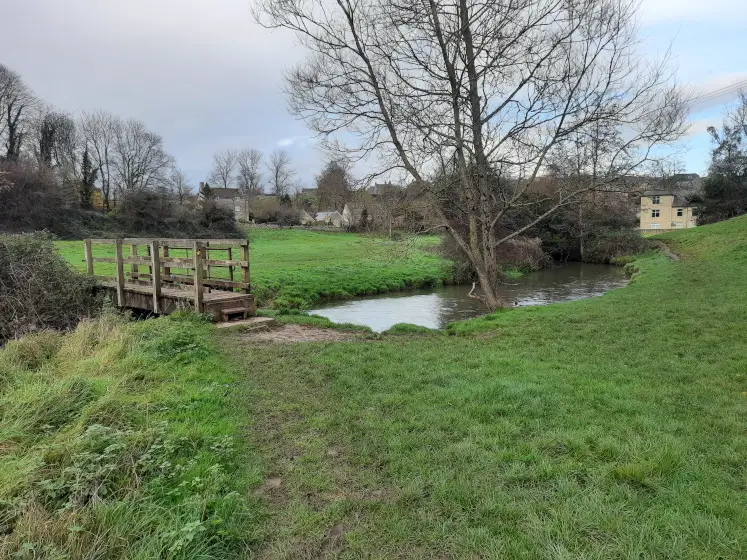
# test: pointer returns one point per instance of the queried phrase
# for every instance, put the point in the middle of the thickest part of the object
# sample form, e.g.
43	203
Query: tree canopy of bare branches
140	161
224	167
333	185
17	104
249	173
179	185
99	132
281	175
480	94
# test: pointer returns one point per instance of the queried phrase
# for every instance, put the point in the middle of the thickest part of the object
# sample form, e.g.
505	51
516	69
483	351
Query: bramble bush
38	289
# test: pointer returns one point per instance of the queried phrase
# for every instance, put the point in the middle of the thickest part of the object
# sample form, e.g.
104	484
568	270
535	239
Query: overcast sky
206	77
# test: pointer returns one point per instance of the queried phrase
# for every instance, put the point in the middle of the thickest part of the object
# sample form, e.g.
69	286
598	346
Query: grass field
601	429
297	268
607	428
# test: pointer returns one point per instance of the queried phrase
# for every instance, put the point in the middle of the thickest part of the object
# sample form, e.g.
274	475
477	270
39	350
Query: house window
237	208
656	199
679	212
654	226
654	213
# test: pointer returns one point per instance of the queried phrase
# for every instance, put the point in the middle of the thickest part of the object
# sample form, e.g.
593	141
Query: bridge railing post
197	256
120	272
89	256
155	275
245	268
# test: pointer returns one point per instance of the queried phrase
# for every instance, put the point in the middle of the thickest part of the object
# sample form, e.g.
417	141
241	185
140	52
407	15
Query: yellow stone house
663	210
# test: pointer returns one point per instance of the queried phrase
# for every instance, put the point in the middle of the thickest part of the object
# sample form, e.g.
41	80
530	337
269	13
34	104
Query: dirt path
297	333
318	498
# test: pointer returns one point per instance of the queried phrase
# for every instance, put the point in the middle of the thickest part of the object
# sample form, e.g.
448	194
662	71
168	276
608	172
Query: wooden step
234	311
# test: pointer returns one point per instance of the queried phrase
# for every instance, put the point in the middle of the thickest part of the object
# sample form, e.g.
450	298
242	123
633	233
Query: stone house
229	199
664	210
331	218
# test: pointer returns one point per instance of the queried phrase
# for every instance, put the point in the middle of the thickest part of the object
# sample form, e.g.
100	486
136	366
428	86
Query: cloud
717	91
700	126
296	142
700	11
201	74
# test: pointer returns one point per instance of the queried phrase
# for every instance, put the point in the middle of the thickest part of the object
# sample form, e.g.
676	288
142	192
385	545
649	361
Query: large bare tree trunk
476	100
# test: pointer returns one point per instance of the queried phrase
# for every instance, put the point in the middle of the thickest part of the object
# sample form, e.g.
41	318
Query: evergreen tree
206	192
87	182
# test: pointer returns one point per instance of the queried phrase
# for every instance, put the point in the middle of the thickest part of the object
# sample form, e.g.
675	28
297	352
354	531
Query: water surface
435	308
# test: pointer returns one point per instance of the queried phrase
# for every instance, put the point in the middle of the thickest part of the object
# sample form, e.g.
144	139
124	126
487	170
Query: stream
434	308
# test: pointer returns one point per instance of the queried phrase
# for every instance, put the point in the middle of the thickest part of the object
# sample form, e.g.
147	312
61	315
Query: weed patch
120	441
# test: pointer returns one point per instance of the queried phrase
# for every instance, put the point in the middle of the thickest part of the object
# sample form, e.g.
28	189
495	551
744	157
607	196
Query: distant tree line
53	164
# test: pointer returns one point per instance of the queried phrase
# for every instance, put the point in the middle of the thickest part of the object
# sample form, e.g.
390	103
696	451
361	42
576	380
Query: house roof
327	214
383	188
225	193
658	193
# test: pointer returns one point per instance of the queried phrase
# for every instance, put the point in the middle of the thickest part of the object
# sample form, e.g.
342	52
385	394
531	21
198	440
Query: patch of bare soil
297	333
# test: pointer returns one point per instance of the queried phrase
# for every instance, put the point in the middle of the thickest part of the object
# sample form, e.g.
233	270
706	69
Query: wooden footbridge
164	275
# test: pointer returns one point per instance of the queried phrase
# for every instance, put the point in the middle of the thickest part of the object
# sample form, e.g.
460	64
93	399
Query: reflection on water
435	308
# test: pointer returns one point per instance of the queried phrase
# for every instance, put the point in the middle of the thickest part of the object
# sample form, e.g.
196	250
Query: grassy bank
605	428
121	441
297	268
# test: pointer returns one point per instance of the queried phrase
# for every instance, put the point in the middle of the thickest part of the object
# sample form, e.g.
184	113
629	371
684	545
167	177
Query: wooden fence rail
197	284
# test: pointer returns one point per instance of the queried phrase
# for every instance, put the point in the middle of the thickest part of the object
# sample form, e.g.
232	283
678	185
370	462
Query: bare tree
249	176
281	175
99	131
480	93
179	185
390	201
140	161
17	104
334	185
224	167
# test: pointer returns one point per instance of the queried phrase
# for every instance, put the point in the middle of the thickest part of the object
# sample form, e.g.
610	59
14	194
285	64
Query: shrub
522	254
611	246
38	289
519	254
151	213
288	216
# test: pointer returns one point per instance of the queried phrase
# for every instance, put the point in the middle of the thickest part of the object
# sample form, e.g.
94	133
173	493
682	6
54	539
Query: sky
206	77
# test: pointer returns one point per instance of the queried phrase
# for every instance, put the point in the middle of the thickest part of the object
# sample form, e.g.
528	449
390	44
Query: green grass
606	428
123	441
297	268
